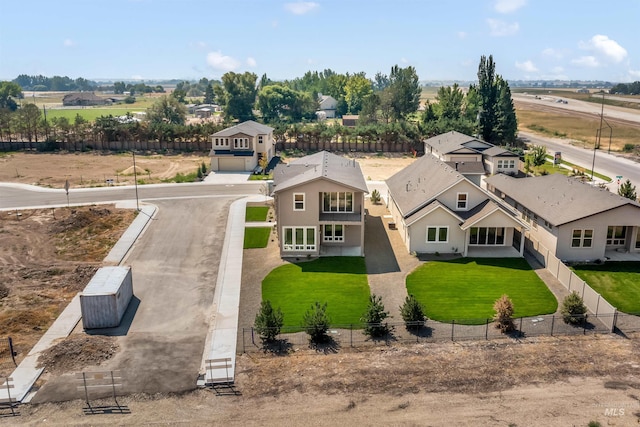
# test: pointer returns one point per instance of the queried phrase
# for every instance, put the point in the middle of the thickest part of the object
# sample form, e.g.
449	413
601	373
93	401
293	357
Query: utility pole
135	177
598	135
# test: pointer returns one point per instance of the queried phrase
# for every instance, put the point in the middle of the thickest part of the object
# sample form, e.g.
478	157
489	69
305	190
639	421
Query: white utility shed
106	297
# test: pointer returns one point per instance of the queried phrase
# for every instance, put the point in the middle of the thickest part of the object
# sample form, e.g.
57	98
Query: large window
299	239
240	142
462	203
486	236
333	233
437	234
298	201
582	238
337	202
616	235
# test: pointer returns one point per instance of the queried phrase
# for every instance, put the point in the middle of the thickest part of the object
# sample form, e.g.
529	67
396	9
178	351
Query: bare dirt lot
545	381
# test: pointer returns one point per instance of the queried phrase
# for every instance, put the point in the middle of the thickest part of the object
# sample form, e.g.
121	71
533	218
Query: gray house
319	203
573	220
437	209
240	147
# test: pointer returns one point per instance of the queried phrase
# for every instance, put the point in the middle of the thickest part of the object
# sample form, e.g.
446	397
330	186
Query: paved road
22	196
606	164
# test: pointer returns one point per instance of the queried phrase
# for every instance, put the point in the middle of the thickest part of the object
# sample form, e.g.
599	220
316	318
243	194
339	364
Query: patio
492	252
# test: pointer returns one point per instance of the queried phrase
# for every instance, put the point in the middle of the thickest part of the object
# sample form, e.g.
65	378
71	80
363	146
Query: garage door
233	164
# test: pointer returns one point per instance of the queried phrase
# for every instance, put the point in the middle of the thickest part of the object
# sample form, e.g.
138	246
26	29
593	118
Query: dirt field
548	381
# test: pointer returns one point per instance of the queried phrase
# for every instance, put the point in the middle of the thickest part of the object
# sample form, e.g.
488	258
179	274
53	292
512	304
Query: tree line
387	106
626	88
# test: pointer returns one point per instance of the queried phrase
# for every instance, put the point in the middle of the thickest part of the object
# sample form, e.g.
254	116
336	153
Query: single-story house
83	99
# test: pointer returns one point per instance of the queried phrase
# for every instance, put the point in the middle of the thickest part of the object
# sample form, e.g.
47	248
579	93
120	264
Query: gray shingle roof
498	152
471	168
249	127
419	183
557	198
452	141
322	165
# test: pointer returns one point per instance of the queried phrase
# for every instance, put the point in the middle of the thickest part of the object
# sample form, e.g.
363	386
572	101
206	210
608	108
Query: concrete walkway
27	373
222	337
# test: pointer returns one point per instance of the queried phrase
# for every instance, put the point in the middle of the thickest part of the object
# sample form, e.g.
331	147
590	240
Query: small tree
264	162
412	312
375	197
203	168
573	309
199	173
627	190
538	155
268	321
316	322
503	317
374	316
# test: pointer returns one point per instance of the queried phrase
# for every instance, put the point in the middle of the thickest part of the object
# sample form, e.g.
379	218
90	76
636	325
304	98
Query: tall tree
167	109
9	92
208	94
357	88
488	92
405	90
238	95
450	101
29	116
507	123
279	102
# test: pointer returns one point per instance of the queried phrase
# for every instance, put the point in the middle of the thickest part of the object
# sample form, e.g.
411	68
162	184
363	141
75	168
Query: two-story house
436	209
327	104
573	220
240	147
319	203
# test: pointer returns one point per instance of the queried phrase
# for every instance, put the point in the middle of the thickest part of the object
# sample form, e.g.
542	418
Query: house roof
557	198
468	168
498	152
249	127
418	184
483	210
452	141
322	165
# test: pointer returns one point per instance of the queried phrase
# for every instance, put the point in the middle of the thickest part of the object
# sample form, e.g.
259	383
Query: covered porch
621	255
341	250
493	252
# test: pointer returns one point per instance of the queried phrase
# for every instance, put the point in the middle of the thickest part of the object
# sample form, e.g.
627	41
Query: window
616	235
337	202
486	236
298	201
333	233
299	239
240	142
217	143
638	240
437	234
499	164
512	164
462	201
259	139
582	238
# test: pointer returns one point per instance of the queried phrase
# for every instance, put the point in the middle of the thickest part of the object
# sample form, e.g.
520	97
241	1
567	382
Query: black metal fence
7	356
340	336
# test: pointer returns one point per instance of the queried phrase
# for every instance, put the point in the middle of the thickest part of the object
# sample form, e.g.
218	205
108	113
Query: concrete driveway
174	267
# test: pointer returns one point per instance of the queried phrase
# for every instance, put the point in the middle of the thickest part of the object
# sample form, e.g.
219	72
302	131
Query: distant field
92	113
587	97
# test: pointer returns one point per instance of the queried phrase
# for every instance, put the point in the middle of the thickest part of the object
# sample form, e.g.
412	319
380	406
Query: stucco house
573	220
436	209
473	158
327	104
319	204
240	147
84	99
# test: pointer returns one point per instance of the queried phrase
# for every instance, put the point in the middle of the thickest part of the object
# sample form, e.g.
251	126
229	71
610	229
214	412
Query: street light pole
598	134
135	177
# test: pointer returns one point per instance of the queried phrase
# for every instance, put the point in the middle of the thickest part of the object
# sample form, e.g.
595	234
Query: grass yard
256	237
617	282
256	213
341	282
465	289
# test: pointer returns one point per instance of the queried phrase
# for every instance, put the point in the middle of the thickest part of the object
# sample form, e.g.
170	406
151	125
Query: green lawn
256	237
256	213
341	282
91	114
617	282
465	289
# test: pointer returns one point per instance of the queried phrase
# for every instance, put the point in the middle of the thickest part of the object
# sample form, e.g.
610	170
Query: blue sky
443	39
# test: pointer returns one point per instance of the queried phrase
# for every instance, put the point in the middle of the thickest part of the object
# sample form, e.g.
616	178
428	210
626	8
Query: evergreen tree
316	322
268	321
412	312
573	309
374	316
627	190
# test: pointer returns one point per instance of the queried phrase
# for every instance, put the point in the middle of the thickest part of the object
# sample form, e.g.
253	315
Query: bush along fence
342	336
593	300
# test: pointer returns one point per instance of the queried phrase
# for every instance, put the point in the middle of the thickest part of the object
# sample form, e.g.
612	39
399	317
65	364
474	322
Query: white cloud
404	60
301	7
218	61
526	66
69	43
508	6
553	53
251	62
311	61
500	28
586	61
136	77
605	47
462	35
558	70
634	73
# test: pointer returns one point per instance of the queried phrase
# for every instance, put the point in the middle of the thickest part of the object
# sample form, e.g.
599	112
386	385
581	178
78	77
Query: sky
442	40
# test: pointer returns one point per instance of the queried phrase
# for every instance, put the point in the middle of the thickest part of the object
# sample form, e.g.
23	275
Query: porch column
522	242
466	243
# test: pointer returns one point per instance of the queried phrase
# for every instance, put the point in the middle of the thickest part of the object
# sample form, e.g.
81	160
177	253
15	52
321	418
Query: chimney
456	165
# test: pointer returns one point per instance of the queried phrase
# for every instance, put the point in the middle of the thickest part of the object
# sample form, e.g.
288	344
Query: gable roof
485	209
557	198
419	183
322	165
452	141
249	127
468	168
498	152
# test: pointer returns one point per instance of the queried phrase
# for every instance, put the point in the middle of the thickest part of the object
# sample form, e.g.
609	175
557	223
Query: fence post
252	337
597	305
553	320
583	285
453	322
351	334
521	334
13	353
615	320
486	330
243	350
570	274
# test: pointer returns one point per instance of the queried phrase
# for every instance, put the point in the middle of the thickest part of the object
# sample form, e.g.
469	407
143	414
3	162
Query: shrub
573	309
316	322
628	148
504	314
375	197
203	167
268	321
374	316
412	313
199	173
4	291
